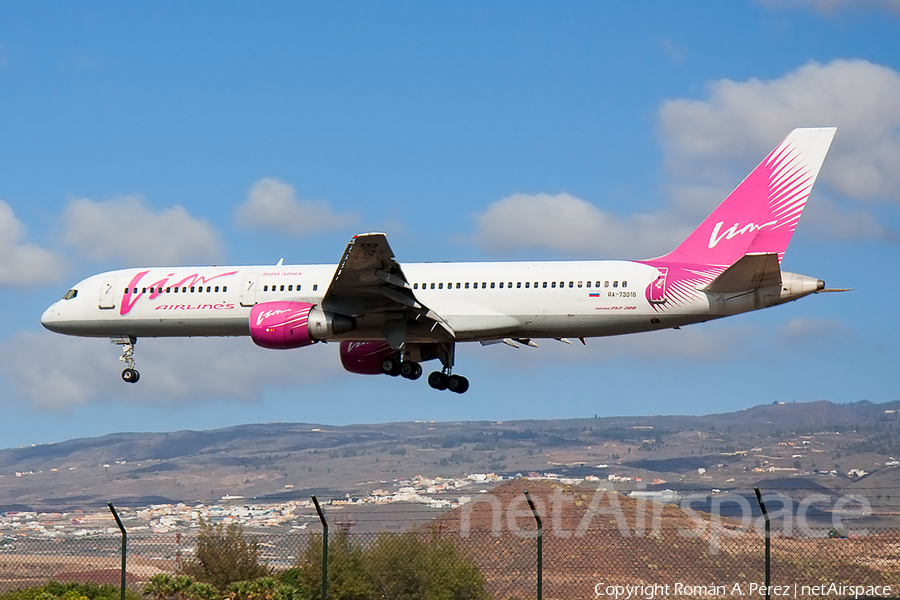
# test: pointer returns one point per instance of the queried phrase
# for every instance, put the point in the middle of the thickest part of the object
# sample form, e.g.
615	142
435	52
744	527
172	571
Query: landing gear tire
410	370
130	376
457	383
390	366
438	380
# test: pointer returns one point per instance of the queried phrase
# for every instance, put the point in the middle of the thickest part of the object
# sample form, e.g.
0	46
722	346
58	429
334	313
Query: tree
394	567
224	555
347	576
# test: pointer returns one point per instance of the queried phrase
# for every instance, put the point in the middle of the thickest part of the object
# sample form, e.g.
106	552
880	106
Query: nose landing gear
130	374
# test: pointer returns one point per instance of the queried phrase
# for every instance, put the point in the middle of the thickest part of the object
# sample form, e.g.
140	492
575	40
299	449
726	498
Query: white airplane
389	318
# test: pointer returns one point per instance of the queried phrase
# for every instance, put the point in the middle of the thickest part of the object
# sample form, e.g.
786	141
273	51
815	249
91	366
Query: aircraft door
248	292
656	291
108	293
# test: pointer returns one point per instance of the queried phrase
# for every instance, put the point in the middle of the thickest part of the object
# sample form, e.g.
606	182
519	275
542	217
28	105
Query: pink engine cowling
281	325
284	325
365	358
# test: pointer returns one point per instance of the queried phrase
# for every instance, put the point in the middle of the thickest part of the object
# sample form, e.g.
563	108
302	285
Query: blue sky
138	135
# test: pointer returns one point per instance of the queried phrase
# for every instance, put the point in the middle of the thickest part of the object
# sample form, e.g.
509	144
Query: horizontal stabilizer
748	274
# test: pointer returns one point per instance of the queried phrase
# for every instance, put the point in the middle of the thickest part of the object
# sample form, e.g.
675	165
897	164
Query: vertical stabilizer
760	216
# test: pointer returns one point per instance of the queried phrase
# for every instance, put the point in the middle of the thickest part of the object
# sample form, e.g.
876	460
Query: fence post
324	548
124	543
540	545
765	513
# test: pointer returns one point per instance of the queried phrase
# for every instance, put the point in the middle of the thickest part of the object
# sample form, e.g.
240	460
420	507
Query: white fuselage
478	301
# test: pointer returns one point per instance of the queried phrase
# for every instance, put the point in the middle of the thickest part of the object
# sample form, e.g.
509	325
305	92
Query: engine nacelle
286	325
364	358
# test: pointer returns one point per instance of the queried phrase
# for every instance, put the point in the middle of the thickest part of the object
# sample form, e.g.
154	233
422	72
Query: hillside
821	441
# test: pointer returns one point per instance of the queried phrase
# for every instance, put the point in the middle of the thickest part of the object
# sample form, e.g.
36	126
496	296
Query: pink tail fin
761	214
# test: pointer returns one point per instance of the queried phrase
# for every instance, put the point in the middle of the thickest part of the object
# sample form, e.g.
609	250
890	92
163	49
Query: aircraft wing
368	280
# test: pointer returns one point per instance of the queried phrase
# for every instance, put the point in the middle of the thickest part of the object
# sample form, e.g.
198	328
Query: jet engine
285	325
365	358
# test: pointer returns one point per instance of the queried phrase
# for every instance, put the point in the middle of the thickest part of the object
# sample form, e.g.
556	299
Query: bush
224	555
399	567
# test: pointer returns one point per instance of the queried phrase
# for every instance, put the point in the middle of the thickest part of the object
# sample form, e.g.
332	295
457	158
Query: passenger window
501	285
484	284
553	284
168	289
580	284
615	284
440	286
290	288
545	284
562	284
467	285
572	284
527	283
588	284
518	284
605	284
208	288
624	284
509	285
217	288
225	288
457	285
492	285
315	286
265	288
143	290
415	286
175	290
192	289
282	288
432	286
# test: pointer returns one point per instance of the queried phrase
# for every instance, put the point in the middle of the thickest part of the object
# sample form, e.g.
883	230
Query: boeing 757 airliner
390	318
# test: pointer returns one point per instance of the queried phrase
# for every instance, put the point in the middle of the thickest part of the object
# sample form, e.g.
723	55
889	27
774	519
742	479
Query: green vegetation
70	591
400	566
224	556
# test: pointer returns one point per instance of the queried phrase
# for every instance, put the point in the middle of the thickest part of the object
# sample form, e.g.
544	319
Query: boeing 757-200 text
389	317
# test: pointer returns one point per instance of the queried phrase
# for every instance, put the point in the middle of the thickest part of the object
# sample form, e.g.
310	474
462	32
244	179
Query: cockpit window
70	294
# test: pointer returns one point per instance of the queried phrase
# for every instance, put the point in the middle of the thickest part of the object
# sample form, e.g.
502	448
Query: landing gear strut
130	374
444	379
405	363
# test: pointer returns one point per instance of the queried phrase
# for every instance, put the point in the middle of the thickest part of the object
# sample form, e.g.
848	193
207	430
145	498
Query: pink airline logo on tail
760	215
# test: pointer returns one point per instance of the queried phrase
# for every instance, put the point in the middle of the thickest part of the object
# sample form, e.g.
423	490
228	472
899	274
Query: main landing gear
438	380
130	374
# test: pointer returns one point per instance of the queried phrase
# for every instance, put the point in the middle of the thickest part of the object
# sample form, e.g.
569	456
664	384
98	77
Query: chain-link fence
590	564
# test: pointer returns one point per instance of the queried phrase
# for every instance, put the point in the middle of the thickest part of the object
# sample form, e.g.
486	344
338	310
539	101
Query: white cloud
173	371
273	205
833	6
832	221
128	231
737	123
23	264
565	223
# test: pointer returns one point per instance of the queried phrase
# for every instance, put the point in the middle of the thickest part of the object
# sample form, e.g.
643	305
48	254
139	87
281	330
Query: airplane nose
49	317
